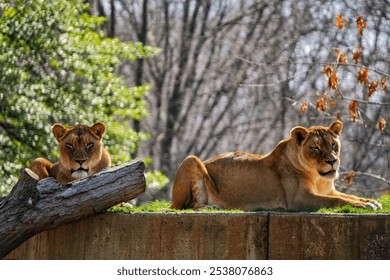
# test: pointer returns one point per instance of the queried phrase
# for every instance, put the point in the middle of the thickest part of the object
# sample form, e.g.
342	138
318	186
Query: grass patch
154	206
163	206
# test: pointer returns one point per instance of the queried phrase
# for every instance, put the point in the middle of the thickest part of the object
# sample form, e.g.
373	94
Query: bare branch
360	173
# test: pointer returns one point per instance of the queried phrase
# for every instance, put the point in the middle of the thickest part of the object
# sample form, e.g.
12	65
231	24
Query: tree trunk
34	206
139	70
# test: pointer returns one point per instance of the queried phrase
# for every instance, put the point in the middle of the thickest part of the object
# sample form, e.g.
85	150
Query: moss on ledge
164	207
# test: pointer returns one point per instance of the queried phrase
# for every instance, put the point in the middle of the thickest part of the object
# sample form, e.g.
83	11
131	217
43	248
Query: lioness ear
336	127
298	134
58	131
99	128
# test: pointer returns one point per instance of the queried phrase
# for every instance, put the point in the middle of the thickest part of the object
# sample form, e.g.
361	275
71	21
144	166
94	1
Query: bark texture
34	206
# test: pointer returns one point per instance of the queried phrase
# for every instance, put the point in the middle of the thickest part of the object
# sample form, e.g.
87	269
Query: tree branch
337	64
360	173
34	206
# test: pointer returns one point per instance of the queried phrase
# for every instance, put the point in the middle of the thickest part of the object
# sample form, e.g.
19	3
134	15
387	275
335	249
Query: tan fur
81	153
298	174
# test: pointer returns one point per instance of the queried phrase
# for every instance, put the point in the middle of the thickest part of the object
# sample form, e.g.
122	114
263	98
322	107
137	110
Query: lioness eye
89	146
315	149
70	146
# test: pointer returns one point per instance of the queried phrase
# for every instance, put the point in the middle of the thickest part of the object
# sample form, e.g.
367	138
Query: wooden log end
32	174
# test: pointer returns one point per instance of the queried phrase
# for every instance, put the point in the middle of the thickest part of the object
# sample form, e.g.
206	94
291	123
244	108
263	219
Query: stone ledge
260	235
334	236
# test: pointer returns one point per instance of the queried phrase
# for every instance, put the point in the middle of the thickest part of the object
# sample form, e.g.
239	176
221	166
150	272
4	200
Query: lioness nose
80	161
331	162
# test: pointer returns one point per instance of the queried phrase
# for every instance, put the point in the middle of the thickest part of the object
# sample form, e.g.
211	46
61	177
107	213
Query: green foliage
156	180
56	66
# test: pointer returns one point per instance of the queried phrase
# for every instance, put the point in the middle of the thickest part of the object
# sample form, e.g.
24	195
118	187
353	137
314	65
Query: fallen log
34	206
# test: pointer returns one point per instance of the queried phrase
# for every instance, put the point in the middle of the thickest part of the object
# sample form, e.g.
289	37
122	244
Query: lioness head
319	148
80	148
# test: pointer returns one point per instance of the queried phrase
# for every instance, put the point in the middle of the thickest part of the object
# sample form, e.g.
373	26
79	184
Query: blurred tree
57	66
233	74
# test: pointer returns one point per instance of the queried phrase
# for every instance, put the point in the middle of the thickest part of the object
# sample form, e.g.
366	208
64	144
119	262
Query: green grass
158	206
163	206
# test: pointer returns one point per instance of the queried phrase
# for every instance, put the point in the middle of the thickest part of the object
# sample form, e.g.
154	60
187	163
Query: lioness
298	174
81	153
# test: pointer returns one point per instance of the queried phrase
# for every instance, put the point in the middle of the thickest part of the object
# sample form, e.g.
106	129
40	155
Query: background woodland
227	75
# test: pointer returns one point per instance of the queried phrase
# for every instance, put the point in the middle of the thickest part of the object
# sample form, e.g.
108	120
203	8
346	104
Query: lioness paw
370	205
376	203
363	204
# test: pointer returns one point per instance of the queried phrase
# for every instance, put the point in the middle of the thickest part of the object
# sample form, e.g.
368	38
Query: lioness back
241	173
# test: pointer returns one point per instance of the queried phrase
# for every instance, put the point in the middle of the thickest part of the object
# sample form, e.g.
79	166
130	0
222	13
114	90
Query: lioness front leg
193	187
41	167
314	200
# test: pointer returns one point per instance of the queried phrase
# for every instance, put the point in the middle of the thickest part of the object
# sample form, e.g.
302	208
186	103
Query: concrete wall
214	236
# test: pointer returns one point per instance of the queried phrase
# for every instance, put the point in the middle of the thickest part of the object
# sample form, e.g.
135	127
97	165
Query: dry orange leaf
349	177
384	84
324	101
381	124
340	23
363	76
328	70
341	57
372	87
361	24
352	107
356	54
333	80
321	104
304	107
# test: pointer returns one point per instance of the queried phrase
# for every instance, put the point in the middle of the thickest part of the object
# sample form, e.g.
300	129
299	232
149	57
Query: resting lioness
81	153
298	174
